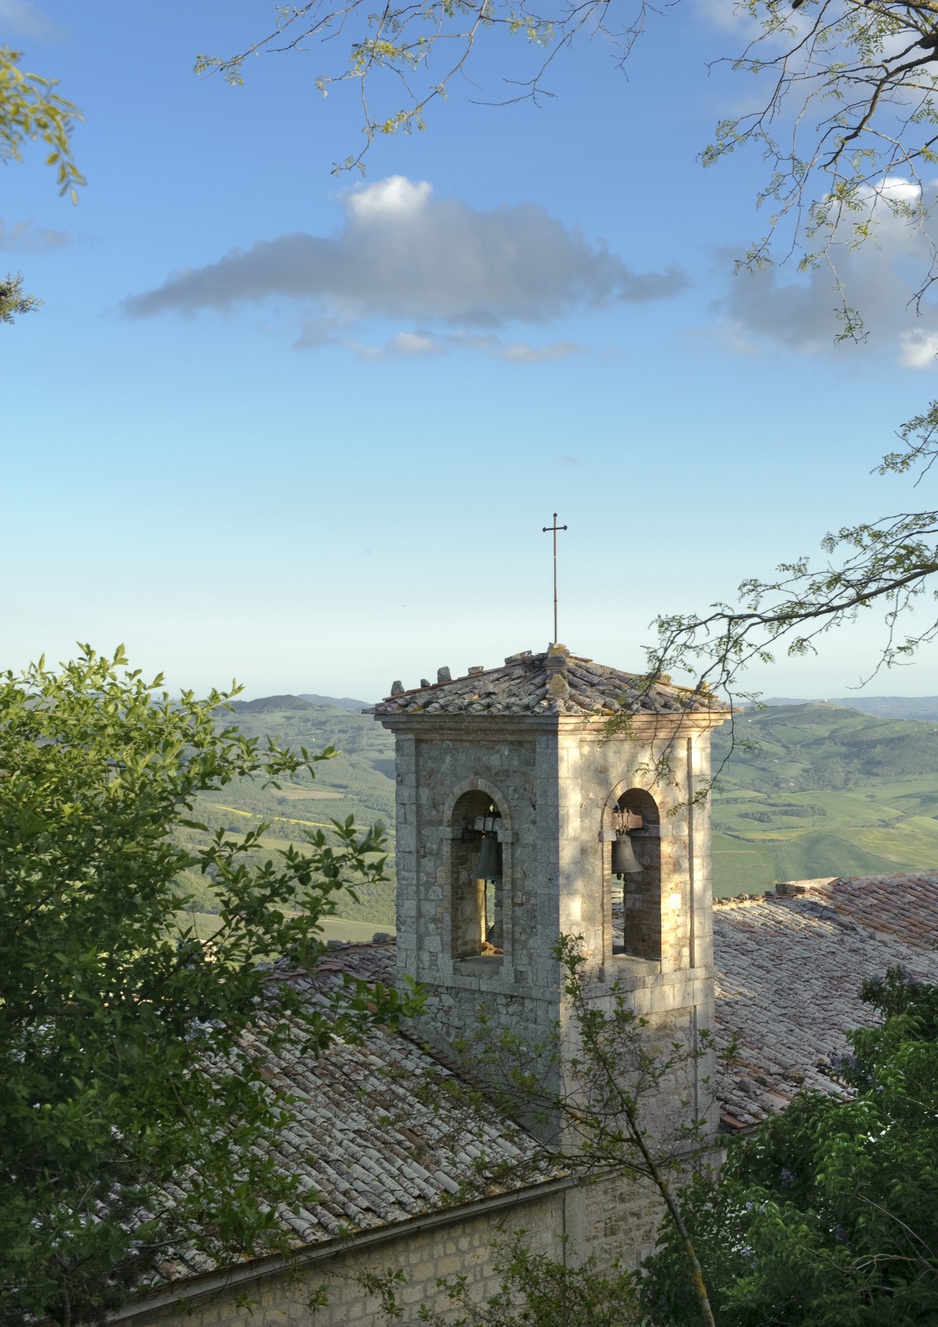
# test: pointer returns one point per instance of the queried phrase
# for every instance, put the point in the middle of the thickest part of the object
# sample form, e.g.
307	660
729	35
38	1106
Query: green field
331	928
816	790
356	782
806	790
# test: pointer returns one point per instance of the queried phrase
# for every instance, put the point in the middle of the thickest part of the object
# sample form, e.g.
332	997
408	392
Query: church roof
789	965
555	682
371	1147
374	1138
789	968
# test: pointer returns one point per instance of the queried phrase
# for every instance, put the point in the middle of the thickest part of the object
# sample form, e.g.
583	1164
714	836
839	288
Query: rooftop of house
372	1139
371	1147
789	965
789	969
555	682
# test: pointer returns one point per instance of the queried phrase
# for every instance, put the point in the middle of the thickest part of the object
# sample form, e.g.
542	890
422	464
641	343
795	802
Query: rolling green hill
818	789
806	790
357	782
885	707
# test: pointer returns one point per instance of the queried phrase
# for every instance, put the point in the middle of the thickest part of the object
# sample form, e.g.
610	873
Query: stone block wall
611	1218
556	790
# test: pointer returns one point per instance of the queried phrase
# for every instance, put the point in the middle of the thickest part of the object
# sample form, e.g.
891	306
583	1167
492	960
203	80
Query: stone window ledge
478	963
635	966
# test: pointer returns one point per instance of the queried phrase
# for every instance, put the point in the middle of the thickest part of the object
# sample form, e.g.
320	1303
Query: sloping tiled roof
366	1145
369	1151
789	969
555	682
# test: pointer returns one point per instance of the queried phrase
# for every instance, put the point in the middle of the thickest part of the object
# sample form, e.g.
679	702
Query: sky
304	429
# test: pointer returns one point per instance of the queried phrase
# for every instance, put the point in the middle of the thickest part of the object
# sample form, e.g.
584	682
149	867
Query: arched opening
636	875
477	878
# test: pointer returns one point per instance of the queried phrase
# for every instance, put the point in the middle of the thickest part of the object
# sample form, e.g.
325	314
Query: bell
624	861
490	860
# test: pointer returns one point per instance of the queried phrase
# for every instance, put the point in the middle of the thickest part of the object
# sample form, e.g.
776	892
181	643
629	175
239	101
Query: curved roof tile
555	682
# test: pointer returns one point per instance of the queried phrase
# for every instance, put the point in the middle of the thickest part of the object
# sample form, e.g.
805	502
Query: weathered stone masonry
532	743
525	755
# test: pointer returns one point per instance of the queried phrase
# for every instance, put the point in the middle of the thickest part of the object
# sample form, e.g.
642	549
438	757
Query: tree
846	117
886	564
30	109
536	1291
12	299
121	1070
854	82
620	1106
829	1213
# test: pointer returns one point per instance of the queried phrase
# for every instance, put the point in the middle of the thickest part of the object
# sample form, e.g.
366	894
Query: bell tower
553	796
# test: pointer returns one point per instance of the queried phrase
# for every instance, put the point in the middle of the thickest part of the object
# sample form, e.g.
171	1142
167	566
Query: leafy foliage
848	102
829	1214
130	1115
417	48
845	99
536	1291
627	1102
884	565
355	782
31	109
12	300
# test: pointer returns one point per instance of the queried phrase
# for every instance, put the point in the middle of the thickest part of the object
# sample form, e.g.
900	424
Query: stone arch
478	908
640	935
483	786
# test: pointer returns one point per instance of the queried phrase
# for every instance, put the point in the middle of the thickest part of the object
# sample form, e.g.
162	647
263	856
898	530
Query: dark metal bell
490	860
624	861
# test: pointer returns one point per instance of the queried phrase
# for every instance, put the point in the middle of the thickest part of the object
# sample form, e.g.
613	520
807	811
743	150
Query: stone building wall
556	785
602	1219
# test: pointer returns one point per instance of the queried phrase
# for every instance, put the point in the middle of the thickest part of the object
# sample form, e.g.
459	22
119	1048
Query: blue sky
304	429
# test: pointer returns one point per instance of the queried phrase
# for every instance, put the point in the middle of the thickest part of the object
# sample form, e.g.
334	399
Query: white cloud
24	237
533	354
878	277
414	344
895	189
918	350
27	19
404	255
394	197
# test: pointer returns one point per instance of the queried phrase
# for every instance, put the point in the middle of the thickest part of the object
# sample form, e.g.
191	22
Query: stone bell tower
517	799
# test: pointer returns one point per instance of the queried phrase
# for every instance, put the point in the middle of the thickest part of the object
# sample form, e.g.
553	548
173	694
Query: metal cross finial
544	530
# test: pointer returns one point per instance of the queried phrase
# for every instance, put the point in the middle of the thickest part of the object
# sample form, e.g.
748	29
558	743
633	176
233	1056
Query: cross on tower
544	530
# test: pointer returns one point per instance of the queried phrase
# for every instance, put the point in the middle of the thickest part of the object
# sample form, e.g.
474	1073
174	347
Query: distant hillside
269	704
810	789
306	700
340	702
825	745
886	707
819	789
357	782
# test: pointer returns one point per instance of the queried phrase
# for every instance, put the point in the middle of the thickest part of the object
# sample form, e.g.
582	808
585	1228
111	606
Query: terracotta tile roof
789	969
369	1151
555	682
368	1147
900	905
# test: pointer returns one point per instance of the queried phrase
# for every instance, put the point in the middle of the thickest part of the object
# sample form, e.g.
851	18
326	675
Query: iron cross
544	530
